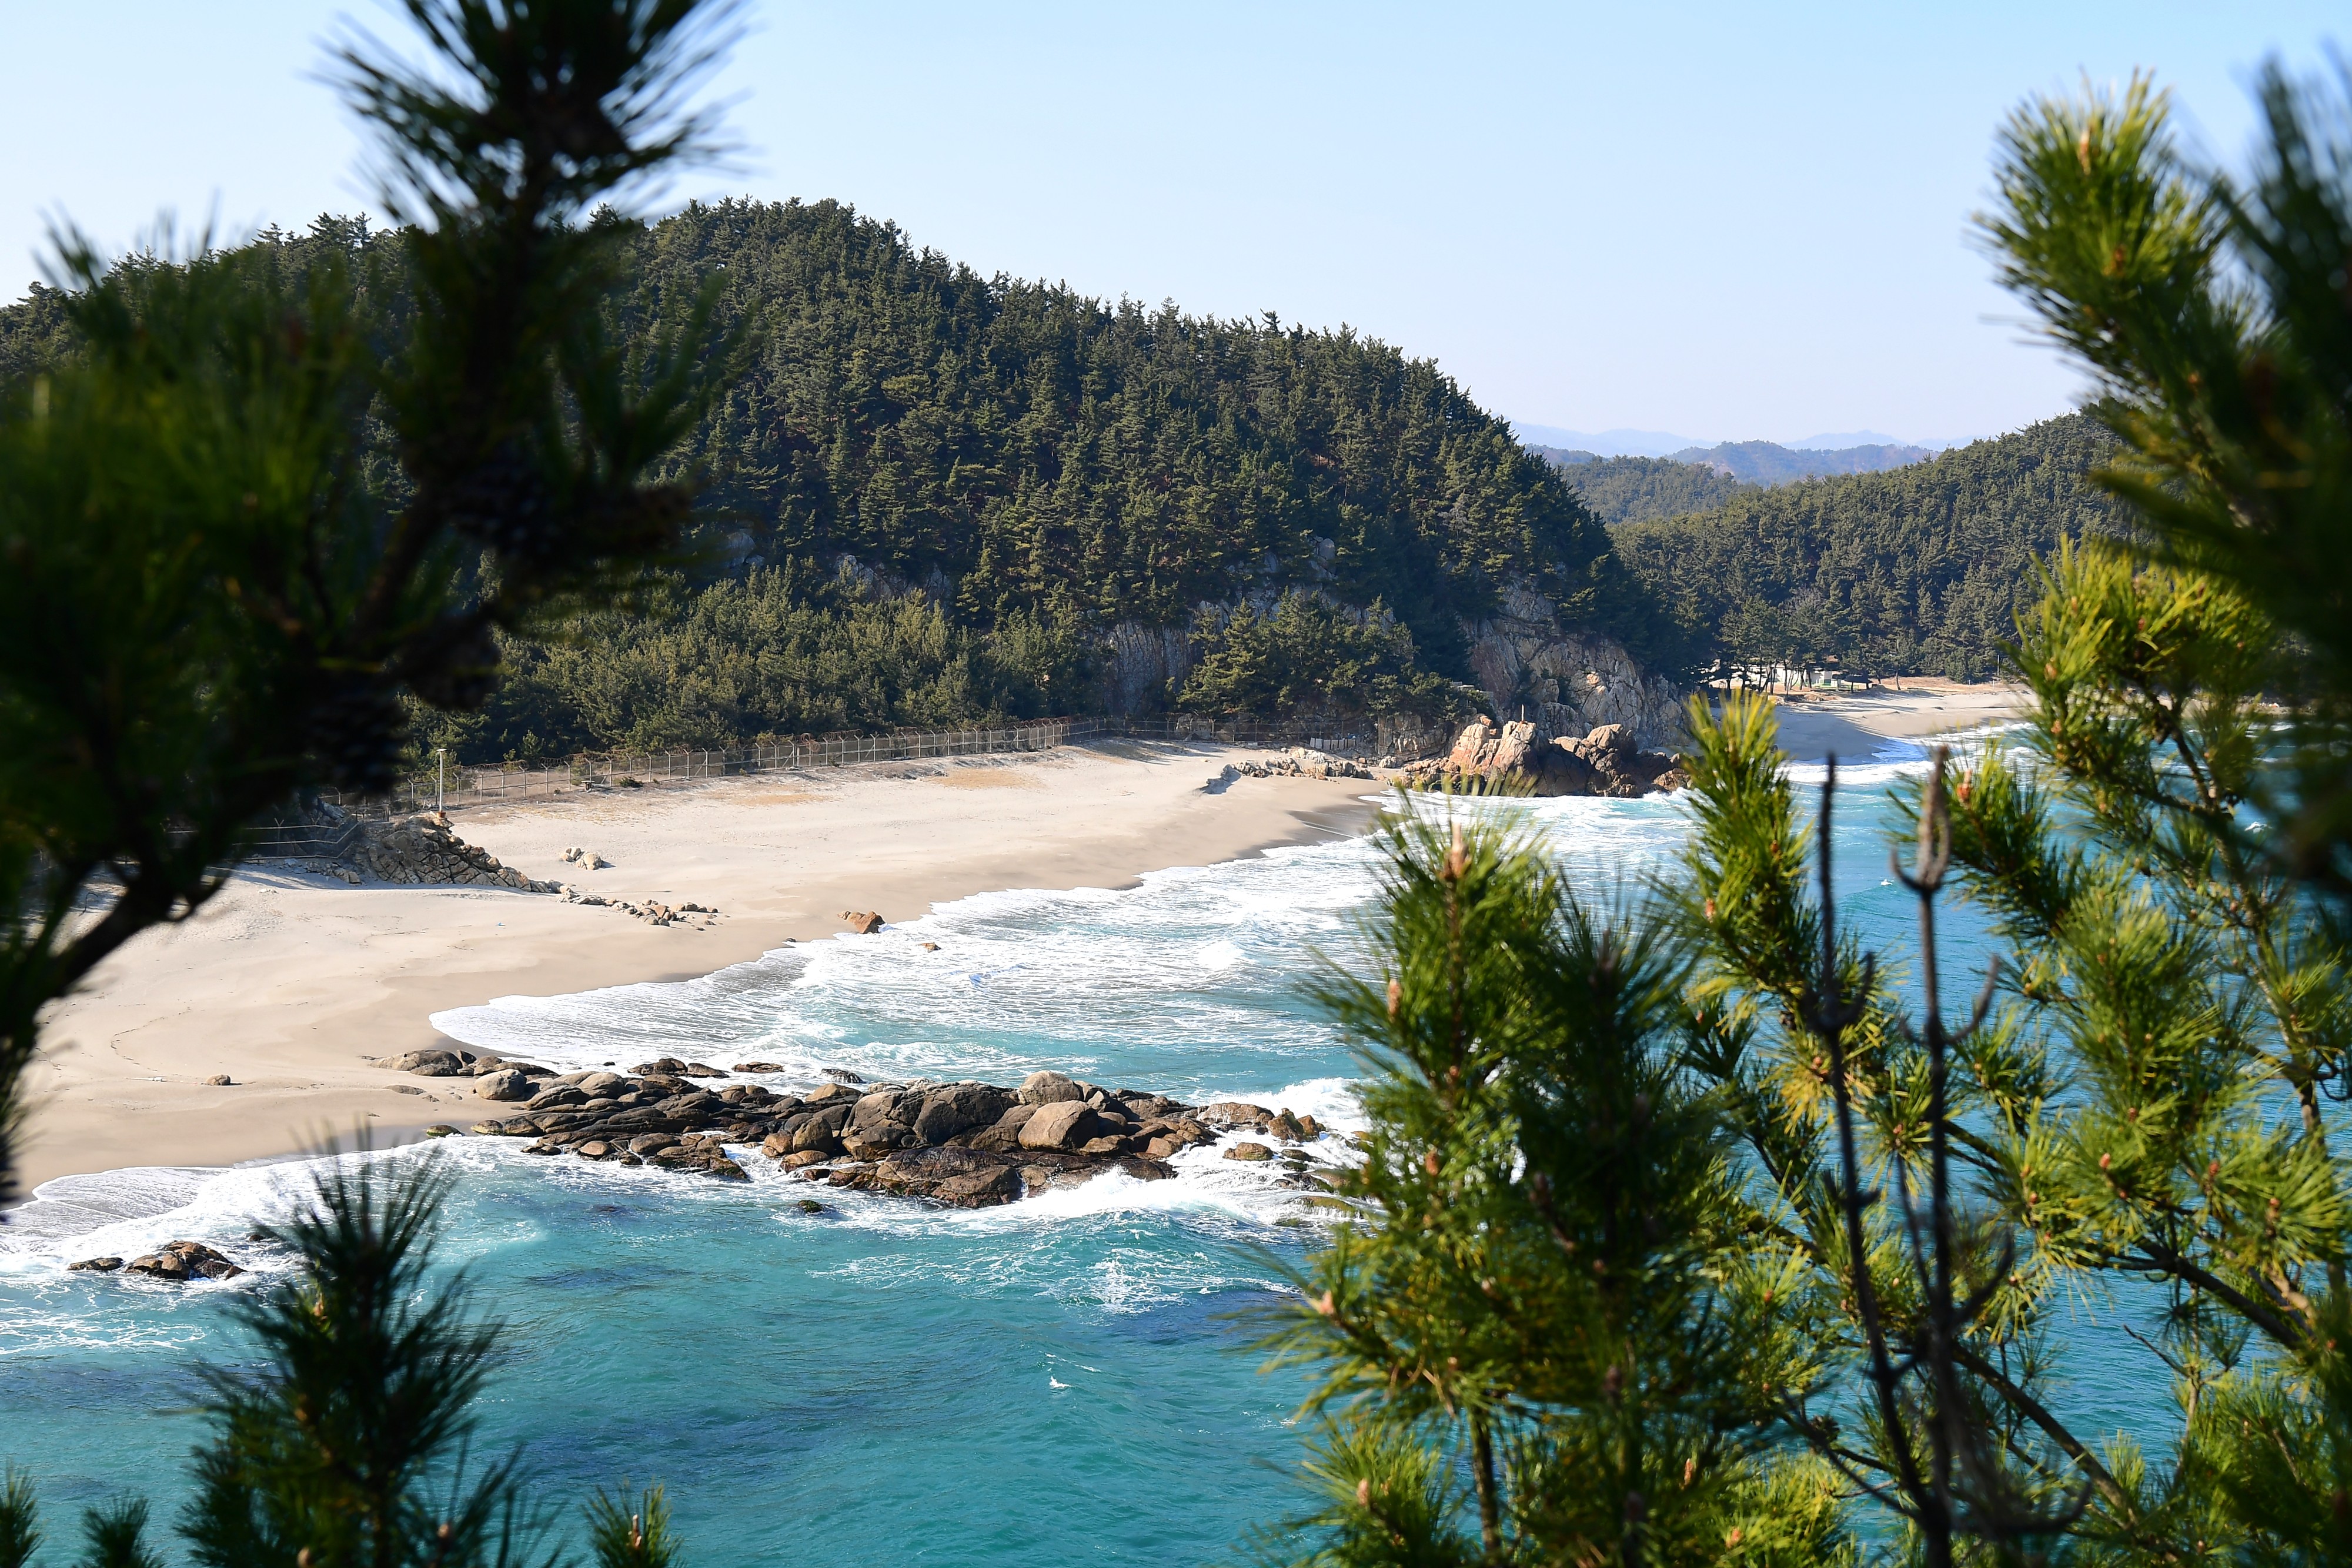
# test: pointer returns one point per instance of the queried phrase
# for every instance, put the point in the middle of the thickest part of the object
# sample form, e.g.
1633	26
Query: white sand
293	983
1853	723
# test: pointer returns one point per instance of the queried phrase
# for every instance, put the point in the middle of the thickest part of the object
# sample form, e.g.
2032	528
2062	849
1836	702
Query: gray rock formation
1514	757
1570	682
970	1144
426	850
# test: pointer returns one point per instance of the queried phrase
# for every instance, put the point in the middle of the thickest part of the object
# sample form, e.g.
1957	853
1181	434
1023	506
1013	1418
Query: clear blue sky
1727	221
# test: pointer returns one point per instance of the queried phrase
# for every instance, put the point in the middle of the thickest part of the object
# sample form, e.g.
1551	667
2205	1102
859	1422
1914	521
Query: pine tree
1535	1287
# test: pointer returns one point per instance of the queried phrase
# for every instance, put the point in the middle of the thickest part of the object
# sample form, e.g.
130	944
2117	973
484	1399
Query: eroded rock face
1571	682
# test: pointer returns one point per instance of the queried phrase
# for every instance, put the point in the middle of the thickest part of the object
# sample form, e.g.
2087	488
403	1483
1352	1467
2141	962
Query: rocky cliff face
1570	683
1140	663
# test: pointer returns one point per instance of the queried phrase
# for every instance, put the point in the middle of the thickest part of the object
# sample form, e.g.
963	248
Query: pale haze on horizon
1701	220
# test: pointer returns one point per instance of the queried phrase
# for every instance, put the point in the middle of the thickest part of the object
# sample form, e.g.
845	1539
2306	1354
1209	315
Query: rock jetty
1605	761
966	1145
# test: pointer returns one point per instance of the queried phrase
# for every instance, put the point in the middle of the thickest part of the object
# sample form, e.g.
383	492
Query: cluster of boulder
426	850
966	1145
176	1261
1606	762
1298	762
421	850
653	911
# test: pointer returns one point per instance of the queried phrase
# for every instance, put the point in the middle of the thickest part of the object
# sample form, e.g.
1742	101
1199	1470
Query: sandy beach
1855	725
293	983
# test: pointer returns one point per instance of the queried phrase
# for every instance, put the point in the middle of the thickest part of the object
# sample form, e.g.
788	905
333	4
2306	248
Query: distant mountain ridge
1625	443
1630	490
1768	463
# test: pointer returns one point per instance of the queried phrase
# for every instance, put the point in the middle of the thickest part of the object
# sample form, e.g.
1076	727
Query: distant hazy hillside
1699	478
1634	489
1919	568
1764	462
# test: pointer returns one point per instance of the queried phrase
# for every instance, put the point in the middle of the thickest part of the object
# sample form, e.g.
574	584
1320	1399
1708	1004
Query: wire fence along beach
462	784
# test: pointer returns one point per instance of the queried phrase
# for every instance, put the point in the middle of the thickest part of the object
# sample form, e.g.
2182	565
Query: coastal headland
294	986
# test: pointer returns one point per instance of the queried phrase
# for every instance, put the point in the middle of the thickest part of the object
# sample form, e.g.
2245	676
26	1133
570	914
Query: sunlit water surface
1062	1381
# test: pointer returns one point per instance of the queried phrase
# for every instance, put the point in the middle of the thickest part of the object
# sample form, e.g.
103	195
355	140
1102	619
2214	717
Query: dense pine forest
1919	570
930	497
984	494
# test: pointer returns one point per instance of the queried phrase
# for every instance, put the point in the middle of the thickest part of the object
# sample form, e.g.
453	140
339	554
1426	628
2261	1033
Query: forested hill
1919	569
1631	489
935	496
1017	446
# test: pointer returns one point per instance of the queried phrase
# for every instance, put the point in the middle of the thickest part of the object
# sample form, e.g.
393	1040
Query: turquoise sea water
1056	1382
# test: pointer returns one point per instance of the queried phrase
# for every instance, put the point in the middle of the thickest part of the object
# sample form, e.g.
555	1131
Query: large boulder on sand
1064	1124
506	1084
428	1064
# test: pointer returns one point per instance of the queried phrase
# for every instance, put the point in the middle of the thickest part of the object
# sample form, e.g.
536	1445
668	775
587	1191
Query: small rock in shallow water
1249	1152
760	1067
810	1205
97	1265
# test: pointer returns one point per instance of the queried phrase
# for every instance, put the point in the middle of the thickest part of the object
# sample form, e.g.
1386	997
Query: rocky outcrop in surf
1511	758
966	1145
175	1262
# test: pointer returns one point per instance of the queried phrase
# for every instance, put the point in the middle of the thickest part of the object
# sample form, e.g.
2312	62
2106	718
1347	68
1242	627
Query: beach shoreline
1857	725
294	984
